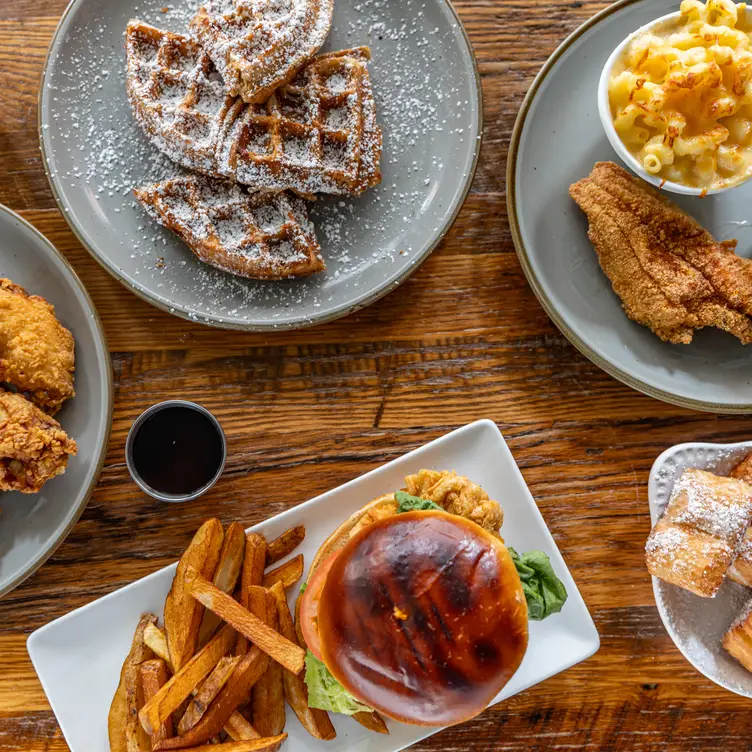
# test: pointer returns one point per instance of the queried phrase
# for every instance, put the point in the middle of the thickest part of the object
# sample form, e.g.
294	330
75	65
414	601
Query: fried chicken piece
457	495
36	351
33	446
670	273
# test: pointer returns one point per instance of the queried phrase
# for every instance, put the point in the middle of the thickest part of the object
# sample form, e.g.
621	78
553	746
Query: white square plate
78	657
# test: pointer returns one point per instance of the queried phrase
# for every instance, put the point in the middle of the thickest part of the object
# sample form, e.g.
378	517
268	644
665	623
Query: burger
415	609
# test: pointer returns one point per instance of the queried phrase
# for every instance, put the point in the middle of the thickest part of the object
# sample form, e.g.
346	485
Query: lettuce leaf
544	591
408	503
326	693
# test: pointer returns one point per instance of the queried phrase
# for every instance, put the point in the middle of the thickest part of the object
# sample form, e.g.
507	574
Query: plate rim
652	480
294	324
743	408
589	633
109	397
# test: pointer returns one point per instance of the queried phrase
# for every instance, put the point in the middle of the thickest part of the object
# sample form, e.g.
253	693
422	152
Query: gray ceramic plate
429	101
33	526
549	230
695	624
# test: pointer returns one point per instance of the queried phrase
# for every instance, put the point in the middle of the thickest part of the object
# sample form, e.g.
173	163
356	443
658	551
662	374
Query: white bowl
604	110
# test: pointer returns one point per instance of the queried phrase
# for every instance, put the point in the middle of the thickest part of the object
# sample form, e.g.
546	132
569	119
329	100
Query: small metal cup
142	484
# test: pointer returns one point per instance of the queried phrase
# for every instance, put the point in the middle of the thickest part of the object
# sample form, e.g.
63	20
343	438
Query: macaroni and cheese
681	96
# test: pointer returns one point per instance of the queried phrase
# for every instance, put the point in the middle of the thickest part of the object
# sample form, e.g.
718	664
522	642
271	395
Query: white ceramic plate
429	103
696	624
32	526
557	140
78	657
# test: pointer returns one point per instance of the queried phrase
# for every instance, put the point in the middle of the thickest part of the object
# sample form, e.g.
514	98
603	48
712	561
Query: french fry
237	726
208	691
155	638
225	577
238	729
135	738
287	653
122	723
154	676
250	669
182	615
117	719
223	710
253	575
316	722
283	546
288	573
256	745
180	686
268	696
372	721
258	603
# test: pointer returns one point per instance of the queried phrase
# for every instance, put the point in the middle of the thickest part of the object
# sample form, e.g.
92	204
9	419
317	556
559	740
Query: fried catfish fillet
33	446
670	273
36	350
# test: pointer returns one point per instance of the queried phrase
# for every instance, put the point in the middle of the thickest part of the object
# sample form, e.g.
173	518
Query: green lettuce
326	693
408	503
544	591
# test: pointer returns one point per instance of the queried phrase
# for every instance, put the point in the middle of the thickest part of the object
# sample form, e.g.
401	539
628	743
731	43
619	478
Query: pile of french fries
217	675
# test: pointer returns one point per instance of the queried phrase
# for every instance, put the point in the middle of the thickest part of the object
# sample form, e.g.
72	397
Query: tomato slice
309	605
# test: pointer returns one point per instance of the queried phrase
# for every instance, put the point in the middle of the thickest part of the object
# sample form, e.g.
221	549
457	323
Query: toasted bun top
423	617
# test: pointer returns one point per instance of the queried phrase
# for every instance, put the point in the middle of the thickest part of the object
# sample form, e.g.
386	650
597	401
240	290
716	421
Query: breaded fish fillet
36	351
669	272
33	446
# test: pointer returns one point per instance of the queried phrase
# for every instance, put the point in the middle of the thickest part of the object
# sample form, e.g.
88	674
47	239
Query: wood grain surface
306	411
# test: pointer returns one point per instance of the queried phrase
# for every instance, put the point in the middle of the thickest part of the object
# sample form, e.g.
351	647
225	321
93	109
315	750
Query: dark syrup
178	450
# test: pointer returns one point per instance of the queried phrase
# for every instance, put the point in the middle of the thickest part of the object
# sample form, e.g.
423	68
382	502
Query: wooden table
465	338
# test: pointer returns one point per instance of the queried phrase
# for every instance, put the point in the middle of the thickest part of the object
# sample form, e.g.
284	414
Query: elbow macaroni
681	96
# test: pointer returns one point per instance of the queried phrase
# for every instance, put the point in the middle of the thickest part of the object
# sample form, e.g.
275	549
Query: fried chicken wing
670	273
36	351
33	446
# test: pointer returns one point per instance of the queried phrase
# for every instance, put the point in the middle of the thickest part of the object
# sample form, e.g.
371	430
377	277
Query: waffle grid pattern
259	235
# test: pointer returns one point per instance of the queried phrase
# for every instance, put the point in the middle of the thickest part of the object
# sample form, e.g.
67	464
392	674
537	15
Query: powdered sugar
258	44
220	223
97	155
718	506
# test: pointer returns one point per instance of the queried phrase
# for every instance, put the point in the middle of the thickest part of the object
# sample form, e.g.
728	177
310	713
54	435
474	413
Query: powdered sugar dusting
719	507
697	626
252	234
258	44
97	155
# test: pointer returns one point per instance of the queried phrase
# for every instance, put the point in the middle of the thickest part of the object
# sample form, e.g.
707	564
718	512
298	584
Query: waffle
260	235
259	45
318	134
176	94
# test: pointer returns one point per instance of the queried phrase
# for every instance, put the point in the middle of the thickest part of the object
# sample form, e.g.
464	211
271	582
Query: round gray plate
557	140
429	106
32	526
